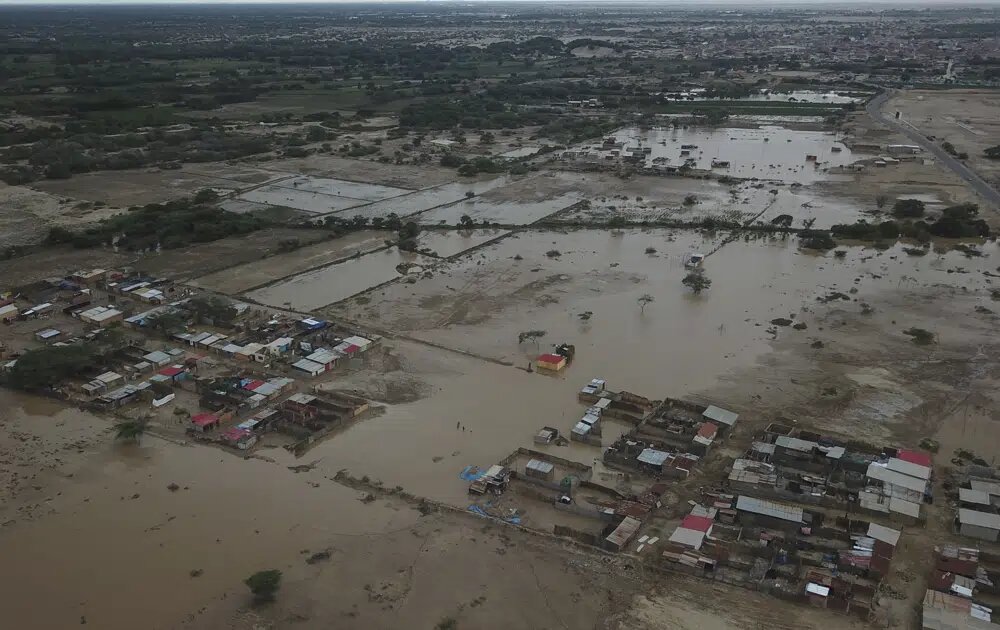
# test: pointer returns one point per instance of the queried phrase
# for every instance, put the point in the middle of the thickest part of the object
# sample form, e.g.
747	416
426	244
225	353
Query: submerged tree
532	335
131	430
696	281
644	300
264	585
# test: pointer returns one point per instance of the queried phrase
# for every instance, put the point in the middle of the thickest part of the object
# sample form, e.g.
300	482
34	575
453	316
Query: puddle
320	287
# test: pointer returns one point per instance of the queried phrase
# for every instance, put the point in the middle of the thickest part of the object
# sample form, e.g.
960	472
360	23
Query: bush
908	208
816	239
264	585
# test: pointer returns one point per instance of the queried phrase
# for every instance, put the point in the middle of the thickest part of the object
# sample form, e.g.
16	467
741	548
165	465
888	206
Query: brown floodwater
320	287
82	546
124	562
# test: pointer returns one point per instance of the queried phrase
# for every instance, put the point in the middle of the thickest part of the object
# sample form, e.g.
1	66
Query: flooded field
453	242
604	273
343	188
245	277
304	200
421	200
318	288
795	96
482	209
767	153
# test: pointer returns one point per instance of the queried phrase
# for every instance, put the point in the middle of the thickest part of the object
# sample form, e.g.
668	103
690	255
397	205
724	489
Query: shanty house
551	362
981	525
204	422
620	535
770	514
102	316
724	418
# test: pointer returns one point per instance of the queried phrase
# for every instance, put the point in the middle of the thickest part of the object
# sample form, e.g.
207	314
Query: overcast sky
690	3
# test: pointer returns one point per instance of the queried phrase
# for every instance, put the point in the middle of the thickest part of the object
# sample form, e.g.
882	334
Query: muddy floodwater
453	242
768	153
421	200
511	212
320	287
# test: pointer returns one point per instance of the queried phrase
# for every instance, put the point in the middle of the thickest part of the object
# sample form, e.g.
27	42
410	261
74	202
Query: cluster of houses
977	515
603	404
806	468
962	590
670	438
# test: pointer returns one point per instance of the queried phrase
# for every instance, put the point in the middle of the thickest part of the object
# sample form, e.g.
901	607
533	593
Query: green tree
46	367
264	585
696	281
131	430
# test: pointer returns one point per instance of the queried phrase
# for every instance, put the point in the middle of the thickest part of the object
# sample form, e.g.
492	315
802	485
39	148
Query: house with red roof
204	422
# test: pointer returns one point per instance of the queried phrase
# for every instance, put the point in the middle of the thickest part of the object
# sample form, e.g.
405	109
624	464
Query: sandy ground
969	119
57	262
199	260
363	171
26	215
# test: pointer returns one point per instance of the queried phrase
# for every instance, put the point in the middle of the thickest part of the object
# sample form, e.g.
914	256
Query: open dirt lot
403	176
199	260
969	119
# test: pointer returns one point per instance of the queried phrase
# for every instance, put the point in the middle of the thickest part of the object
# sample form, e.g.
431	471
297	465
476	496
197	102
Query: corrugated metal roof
904	507
883	474
795	444
909	468
653	457
769	508
984	485
624	532
309	366
966	495
979	519
763	447
540	466
718	414
817	589
885	534
687	537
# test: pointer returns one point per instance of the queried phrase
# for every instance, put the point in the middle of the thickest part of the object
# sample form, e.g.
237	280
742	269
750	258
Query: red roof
551	358
915	457
173	370
252	385
708	430
234	434
351	348
204	419
697	523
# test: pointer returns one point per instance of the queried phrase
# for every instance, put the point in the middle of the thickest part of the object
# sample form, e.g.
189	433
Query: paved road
977	183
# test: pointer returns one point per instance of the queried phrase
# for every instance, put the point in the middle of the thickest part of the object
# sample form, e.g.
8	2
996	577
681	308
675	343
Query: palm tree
131	430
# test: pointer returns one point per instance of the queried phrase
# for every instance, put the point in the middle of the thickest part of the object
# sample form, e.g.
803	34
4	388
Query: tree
533	335
466	221
908	208
212	308
205	195
993	153
643	300
881	200
696	281
264	585
131	430
47	367
783	220
167	322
